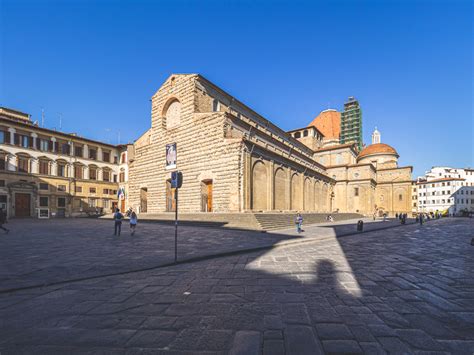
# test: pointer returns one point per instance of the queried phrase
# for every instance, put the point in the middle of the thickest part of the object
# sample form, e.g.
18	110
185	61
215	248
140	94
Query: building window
216	105
92	202
92	173
115	159
106	156
297	135
44	145
44	167
123	158
115	177
2	183
356	191
92	190
61	170
105	203
305	133
78	151
400	197
24	141
43	186
62	188
78	171
93	154
3	164
78	188
23	164
105	191
44	201
61	202
122	176
65	148
106	175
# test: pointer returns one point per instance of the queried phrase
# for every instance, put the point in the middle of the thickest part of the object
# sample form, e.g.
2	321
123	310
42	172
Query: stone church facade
235	160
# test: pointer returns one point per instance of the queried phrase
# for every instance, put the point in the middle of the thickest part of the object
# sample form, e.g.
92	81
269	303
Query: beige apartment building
235	160
47	173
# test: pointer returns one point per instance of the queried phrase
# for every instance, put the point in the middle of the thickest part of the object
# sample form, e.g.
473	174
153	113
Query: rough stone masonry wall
203	153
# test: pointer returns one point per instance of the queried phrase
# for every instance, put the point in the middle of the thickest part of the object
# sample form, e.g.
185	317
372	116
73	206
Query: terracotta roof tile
328	122
378	148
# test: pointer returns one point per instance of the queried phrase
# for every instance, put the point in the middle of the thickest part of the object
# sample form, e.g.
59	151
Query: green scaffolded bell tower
351	123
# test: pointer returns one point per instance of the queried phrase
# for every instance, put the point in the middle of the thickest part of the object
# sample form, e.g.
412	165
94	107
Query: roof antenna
60	121
42	117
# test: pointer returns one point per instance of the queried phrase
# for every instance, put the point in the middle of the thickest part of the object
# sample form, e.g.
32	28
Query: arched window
173	114
106	174
44	166
92	172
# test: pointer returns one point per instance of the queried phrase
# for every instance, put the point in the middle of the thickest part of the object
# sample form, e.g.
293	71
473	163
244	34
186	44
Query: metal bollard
360	226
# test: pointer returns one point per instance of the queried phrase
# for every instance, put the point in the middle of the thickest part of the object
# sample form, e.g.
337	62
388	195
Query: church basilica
235	160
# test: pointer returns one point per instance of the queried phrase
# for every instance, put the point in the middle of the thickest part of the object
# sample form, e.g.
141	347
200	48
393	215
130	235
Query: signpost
176	183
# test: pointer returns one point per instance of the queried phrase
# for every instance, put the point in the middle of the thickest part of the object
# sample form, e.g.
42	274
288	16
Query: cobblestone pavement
45	252
400	290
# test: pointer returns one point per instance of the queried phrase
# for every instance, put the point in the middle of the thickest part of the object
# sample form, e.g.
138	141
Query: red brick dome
376	149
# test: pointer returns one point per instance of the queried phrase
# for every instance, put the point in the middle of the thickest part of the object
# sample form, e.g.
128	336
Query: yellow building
48	173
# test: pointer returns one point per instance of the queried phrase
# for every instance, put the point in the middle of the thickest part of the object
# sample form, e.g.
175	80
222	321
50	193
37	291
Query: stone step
251	221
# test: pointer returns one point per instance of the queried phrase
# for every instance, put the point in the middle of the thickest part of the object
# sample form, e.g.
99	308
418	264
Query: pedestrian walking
133	222
3	220
118	222
299	222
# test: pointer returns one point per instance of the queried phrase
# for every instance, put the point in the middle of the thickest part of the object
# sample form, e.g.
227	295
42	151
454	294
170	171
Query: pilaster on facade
54	147
34	166
11	162
12	135
35	137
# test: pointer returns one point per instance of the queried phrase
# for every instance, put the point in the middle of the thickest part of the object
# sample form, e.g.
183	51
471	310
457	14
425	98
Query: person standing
118	222
133	222
299	222
3	220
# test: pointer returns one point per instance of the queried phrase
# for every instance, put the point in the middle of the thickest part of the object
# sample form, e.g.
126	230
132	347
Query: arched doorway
308	195
296	202
259	187
280	191
324	197
317	196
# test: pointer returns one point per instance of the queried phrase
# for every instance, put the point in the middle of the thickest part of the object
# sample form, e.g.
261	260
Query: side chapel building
235	160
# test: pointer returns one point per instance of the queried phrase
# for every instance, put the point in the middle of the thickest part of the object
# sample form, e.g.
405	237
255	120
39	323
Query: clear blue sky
410	64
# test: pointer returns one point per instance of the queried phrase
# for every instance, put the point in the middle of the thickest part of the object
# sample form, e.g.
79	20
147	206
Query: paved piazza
408	289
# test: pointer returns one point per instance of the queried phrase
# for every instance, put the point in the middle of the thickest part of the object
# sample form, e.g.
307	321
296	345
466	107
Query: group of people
118	218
